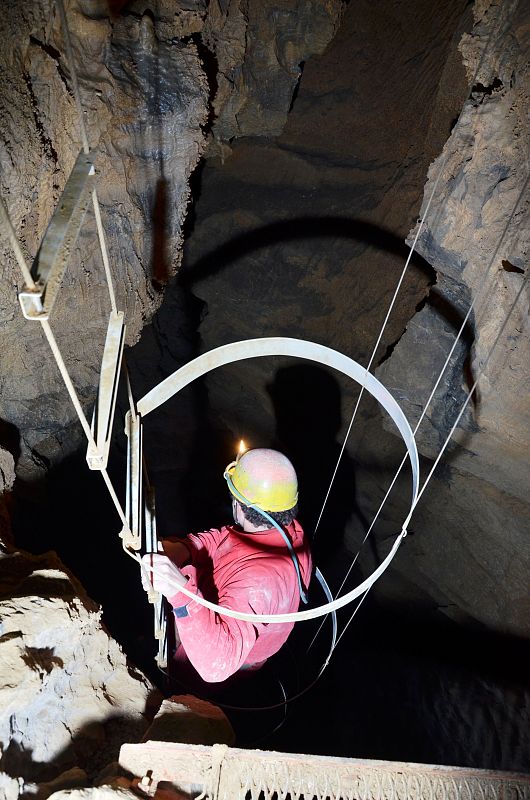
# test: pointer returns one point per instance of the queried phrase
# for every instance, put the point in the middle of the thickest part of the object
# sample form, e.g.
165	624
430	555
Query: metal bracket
151	544
161	656
97	456
133	503
61	234
31	303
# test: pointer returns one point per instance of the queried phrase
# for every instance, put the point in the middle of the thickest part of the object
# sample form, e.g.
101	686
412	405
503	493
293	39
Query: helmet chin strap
237	494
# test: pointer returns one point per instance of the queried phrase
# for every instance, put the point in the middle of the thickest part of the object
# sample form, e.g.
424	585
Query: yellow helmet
263	478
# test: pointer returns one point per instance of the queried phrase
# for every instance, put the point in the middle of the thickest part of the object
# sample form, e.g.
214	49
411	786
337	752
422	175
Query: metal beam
230	773
56	247
97	457
134	499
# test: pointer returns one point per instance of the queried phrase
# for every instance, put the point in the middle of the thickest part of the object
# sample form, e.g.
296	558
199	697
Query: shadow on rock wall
333	228
307	407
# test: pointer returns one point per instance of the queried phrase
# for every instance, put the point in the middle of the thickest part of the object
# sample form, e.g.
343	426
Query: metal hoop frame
297	348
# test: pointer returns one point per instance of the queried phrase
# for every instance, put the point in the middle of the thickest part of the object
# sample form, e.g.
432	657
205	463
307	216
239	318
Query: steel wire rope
106	265
30	283
486	286
367	369
74	396
59	359
237	351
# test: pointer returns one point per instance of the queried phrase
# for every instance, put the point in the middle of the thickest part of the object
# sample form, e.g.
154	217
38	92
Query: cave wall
152	80
282	245
476	235
67	693
145	99
303	236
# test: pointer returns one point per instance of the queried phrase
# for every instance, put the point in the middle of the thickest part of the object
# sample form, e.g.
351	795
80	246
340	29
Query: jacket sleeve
217	645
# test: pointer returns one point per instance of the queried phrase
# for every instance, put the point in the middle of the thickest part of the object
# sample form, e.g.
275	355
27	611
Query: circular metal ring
298	348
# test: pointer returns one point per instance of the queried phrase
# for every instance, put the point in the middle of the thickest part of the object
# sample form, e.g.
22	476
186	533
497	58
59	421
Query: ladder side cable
510	12
486	287
8	226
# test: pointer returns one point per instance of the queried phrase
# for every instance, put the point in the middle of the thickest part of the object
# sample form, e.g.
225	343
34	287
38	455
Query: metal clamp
31	303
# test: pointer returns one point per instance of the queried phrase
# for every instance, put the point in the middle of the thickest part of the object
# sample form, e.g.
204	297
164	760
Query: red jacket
249	572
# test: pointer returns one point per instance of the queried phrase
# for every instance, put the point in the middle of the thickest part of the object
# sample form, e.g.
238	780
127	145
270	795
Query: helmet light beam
242	449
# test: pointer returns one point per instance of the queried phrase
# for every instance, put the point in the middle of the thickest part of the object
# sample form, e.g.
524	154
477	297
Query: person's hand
166	578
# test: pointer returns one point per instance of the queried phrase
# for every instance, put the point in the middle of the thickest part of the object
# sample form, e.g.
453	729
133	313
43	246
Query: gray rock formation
145	97
300	236
477	236
68	696
144	88
260	47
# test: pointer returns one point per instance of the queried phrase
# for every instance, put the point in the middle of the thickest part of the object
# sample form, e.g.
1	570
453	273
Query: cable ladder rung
103	418
134	499
51	261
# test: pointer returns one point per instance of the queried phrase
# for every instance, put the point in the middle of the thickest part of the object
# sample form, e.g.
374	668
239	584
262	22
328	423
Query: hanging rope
62	367
510	12
59	360
486	288
367	370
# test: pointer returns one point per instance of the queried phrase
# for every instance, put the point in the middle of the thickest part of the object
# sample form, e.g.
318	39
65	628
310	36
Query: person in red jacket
261	564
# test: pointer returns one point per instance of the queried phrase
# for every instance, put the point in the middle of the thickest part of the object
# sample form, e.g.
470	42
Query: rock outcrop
7	479
260	47
152	83
145	96
68	696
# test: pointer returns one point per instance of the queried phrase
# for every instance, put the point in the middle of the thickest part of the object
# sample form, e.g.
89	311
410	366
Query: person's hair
283	518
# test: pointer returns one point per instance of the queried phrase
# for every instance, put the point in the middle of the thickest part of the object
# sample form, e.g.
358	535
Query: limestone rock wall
260	47
477	237
153	80
68	696
145	97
